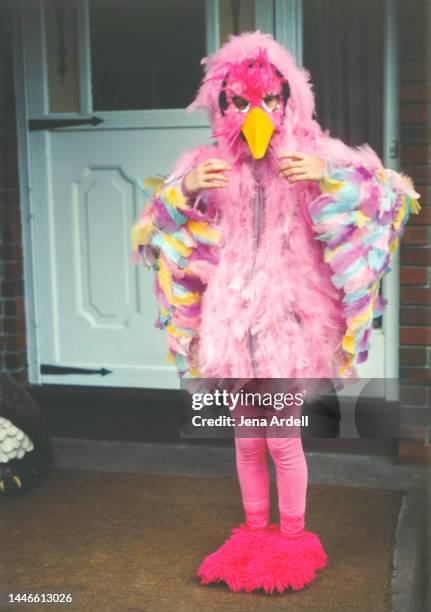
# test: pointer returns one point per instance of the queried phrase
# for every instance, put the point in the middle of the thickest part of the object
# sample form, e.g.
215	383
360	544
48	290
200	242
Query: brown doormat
123	541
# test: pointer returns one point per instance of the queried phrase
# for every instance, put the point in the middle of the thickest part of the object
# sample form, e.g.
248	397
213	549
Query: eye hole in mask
271	102
241	104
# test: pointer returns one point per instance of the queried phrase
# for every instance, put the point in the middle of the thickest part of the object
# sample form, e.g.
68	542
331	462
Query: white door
105	86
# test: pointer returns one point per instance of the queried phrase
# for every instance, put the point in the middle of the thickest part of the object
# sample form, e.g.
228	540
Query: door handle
51	124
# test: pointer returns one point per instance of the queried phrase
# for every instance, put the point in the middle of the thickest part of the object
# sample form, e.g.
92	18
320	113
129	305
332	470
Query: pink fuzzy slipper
286	562
229	562
253	559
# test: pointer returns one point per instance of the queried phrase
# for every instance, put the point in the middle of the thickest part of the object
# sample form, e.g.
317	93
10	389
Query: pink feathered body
279	290
269	308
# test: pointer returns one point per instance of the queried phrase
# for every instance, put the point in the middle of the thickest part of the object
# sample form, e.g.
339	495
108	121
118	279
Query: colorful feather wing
360	216
176	240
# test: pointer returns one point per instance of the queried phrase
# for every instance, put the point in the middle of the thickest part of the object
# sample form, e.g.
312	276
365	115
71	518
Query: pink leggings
291	475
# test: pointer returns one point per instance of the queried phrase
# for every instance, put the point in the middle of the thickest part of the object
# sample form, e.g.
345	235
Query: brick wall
12	316
415	274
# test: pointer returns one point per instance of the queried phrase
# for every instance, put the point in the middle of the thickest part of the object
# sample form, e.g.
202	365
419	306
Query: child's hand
296	167
207	175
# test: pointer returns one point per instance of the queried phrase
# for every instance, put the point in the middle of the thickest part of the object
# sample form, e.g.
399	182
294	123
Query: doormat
127	541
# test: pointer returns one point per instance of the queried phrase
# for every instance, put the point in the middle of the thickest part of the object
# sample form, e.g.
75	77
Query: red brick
413	15
415	335
14	199
423	374
417	433
416	235
419	295
414	71
413	394
425	194
14	342
416	414
8	137
415	92
17	326
14	308
9	180
13	270
10	252
10	215
15	360
418	256
415	154
423	218
415	316
8	161
420	173
11	289
413	276
12	234
415	134
21	376
413	356
10	198
412	114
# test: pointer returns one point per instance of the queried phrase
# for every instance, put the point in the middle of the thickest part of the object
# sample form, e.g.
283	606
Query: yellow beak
257	129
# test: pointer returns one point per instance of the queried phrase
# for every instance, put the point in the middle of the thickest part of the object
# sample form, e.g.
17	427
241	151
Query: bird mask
254	94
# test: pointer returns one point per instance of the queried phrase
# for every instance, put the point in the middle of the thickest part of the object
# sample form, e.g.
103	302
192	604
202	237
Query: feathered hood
246	46
300	105
299	129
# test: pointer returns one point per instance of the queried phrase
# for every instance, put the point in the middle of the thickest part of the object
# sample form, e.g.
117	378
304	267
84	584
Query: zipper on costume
258	224
258	214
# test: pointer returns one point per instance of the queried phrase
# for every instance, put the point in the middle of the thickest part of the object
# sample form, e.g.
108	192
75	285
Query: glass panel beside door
236	16
343	49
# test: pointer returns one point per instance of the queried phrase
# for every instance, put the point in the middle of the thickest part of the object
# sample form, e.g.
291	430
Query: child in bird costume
268	248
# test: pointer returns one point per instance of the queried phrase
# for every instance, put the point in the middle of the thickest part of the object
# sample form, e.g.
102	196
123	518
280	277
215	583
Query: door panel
100	311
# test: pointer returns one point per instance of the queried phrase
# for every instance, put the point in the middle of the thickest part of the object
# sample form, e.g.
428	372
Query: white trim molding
289	26
391	284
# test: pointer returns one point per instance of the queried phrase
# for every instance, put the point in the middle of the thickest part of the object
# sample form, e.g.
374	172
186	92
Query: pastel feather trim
171	237
360	216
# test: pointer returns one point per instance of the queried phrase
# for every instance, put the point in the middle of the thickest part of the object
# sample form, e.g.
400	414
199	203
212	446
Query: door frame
284	18
391	159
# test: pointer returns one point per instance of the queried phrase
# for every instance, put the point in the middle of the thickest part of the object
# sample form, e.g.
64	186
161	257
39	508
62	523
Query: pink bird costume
264	278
